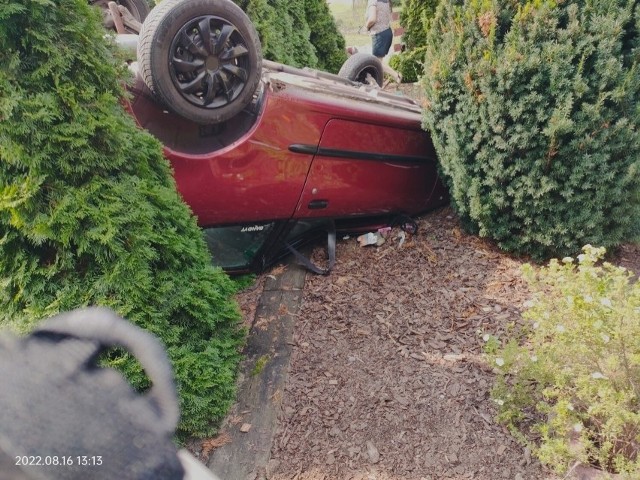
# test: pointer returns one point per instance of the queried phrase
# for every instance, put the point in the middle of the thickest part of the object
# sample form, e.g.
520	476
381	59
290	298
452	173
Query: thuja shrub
409	63
533	109
415	17
328	42
569	386
301	33
89	212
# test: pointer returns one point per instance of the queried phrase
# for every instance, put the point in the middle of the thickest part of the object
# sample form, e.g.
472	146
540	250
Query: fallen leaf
211	444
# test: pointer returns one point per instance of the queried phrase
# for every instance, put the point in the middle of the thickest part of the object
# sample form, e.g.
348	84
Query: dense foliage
301	33
533	108
415	18
569	387
409	63
325	37
89	212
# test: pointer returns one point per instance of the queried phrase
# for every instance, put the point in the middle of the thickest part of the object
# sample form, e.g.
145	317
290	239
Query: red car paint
309	148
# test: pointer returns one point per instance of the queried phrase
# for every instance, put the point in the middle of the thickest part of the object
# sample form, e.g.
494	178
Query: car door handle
318	204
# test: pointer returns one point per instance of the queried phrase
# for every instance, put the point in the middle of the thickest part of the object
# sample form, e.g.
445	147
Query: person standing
378	24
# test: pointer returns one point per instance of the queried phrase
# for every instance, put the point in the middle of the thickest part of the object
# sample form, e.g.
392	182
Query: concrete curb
251	424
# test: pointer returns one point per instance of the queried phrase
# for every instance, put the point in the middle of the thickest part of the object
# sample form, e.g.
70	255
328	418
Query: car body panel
307	148
369	169
256	179
253	178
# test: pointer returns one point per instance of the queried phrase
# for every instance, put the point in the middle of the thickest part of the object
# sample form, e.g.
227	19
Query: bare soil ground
387	378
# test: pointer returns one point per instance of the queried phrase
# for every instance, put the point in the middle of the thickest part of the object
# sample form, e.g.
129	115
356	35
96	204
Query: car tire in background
359	66
201	58
138	8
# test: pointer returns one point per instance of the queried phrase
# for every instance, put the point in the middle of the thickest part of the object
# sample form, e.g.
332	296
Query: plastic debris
371	239
384	231
401	238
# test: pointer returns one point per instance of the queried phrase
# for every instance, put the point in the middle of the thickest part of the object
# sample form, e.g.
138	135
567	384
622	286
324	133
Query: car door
369	169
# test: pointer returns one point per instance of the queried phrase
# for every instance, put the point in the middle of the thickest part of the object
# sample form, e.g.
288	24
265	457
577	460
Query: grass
349	21
243	282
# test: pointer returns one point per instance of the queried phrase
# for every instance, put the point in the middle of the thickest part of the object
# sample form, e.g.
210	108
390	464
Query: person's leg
390	71
381	43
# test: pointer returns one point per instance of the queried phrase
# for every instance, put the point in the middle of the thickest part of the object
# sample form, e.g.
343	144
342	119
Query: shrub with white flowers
569	387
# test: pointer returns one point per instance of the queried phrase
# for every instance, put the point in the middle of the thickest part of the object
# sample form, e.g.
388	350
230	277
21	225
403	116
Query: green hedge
89	213
415	17
409	63
327	41
533	108
301	33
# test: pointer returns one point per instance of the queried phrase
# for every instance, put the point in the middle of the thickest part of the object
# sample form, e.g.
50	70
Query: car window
302	228
236	246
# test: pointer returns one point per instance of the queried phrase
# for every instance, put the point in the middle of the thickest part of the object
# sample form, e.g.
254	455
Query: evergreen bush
415	17
328	42
301	33
409	63
533	109
304	53
569	386
89	212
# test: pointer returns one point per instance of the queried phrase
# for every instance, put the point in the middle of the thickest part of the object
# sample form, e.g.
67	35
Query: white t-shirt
383	16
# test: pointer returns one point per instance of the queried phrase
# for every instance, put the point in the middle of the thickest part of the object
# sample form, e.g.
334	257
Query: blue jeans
381	42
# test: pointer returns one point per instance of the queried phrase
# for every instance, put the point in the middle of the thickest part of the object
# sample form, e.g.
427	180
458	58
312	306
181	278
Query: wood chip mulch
387	378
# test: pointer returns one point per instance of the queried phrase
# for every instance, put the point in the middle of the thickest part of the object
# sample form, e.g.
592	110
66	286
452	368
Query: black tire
359	66
139	9
204	84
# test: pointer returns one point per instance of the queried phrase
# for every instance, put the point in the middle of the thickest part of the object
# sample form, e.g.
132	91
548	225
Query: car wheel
139	9
362	67
201	58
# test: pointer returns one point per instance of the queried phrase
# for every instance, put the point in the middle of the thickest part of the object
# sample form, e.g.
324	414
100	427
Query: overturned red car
269	156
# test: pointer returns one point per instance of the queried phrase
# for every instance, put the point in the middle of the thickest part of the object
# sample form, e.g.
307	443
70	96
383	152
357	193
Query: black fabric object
331	251
64	417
